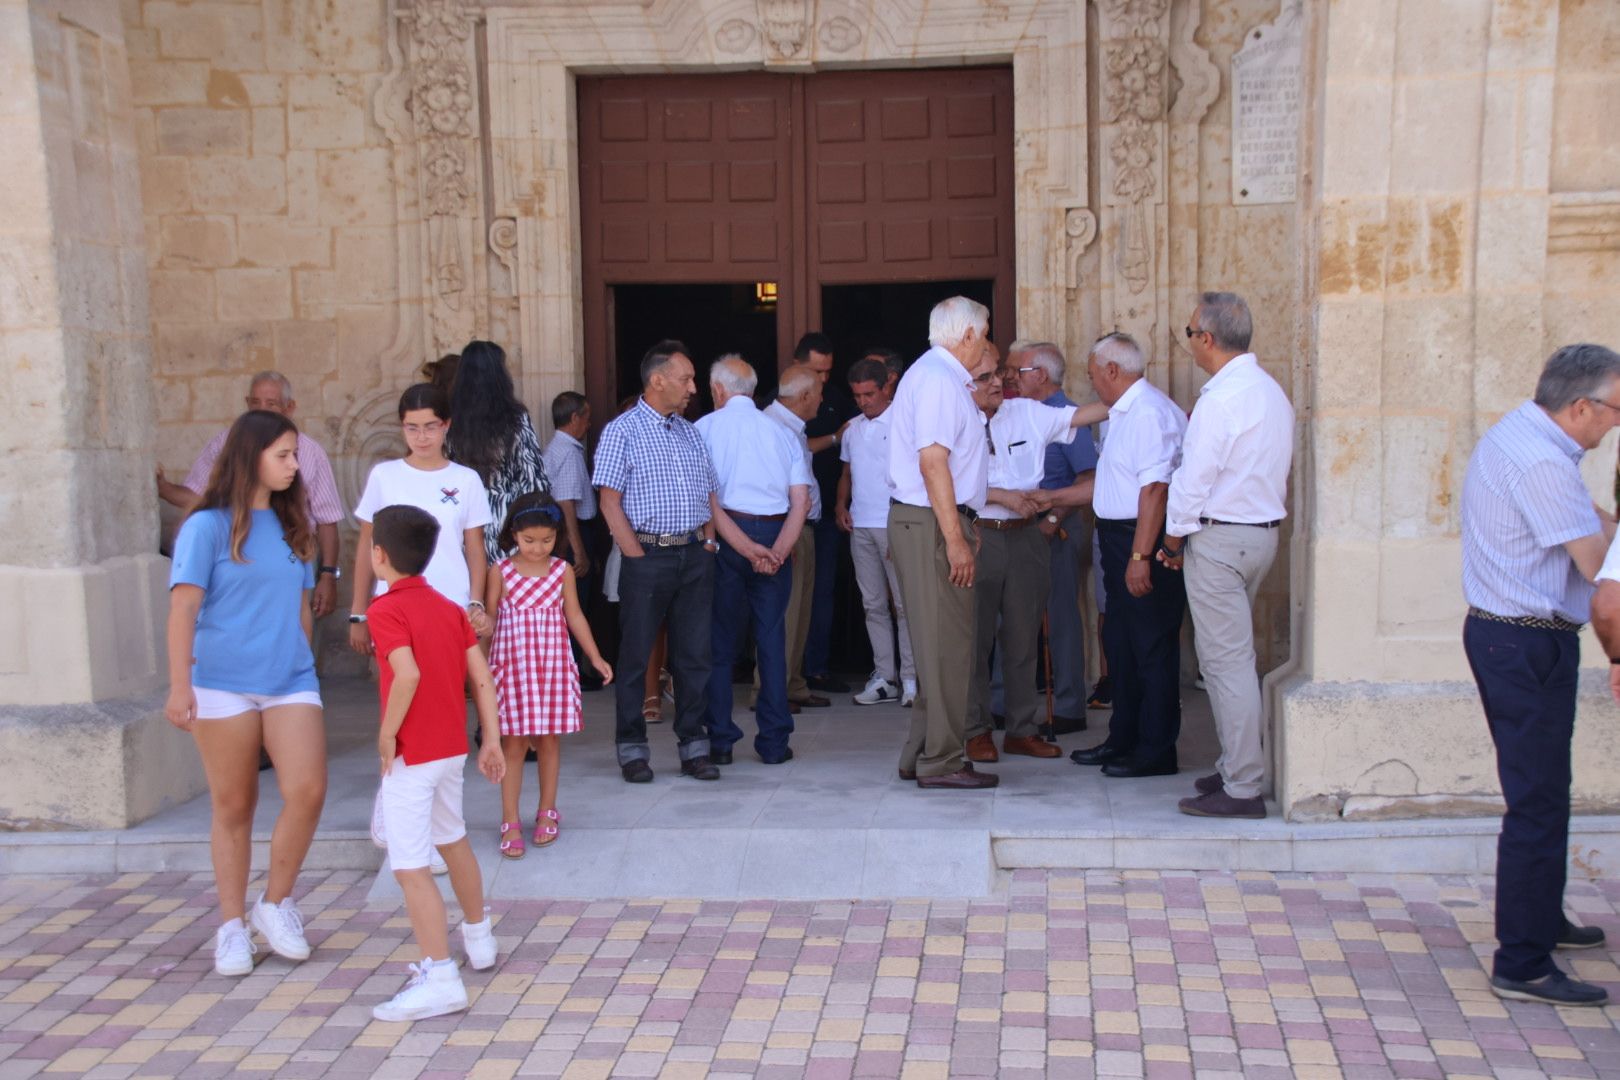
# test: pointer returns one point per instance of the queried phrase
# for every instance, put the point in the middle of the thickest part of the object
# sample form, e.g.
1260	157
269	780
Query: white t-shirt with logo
865	446
454	495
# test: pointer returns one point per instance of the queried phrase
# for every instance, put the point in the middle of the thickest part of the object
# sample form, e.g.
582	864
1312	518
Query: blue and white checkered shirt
661	467
1523	499
565	468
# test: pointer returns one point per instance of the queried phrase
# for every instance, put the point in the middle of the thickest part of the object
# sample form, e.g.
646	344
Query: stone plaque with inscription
1266	101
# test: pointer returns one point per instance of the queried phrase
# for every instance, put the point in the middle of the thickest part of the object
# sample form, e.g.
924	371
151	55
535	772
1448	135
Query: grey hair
1049	358
1121	349
951	320
1021	345
1575	372
796	379
1226	316
276	377
734	374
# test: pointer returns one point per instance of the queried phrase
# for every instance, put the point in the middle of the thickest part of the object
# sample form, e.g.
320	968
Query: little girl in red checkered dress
535	603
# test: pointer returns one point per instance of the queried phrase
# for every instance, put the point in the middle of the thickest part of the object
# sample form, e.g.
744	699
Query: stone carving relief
840	34
734	36
1134	101
786	25
1080	229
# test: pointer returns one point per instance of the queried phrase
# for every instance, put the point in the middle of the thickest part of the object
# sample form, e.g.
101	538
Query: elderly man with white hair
798	399
939	470
1146	599
759	512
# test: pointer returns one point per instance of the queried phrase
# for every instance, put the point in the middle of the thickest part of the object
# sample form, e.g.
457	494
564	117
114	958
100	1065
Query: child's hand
491	762
603	668
385	750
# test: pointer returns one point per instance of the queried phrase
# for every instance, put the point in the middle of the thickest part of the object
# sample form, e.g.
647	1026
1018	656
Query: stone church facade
343	191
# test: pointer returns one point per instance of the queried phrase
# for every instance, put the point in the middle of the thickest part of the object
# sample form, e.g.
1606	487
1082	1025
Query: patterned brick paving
1070	974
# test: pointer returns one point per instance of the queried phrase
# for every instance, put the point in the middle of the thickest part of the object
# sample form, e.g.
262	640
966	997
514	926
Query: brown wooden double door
808	181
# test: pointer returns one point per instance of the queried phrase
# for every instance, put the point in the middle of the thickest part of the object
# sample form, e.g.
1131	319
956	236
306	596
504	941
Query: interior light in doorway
765	293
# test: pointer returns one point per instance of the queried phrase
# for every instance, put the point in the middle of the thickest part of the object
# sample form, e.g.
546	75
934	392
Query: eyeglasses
423	429
1191	332
1024	369
986	377
1605	404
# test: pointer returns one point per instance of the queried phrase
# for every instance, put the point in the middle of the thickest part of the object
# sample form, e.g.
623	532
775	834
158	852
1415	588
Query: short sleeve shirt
1145	429
661	467
565	467
250	634
1021	432
453	495
756	459
1066	461
865	447
438	634
933	406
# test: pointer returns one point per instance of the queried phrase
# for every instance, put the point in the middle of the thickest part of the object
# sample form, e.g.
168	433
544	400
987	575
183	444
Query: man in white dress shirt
939	470
863	512
1225	506
759	512
1013	568
1146	599
798	399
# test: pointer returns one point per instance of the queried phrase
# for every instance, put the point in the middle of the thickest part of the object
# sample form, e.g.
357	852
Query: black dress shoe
826	684
1101	754
636	772
720	757
814	701
700	768
1580	937
1555	988
1133	768
777	759
1068	725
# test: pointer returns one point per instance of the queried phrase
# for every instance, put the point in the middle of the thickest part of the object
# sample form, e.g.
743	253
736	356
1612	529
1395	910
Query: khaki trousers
942	618
797	622
1225	565
1010	583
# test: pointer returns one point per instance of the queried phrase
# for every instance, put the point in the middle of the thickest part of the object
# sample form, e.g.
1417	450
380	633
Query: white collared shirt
1236	453
756	460
1145	429
1020	432
865	448
933	406
795	427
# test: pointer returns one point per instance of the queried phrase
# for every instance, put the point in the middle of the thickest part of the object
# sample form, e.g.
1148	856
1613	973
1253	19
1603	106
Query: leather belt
665	540
1117	523
1248	524
1003	524
742	515
961	508
1534	623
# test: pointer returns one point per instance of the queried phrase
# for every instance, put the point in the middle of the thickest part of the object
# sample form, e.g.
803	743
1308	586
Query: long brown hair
236	477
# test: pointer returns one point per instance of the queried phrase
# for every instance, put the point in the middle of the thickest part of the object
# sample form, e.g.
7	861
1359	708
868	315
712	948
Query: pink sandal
546	834
512	849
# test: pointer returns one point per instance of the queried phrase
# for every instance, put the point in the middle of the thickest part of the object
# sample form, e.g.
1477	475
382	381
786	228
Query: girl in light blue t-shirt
242	675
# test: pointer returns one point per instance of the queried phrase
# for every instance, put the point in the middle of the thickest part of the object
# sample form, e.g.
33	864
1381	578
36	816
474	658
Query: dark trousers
1142	640
743	598
1527	681
673	586
598	612
831	542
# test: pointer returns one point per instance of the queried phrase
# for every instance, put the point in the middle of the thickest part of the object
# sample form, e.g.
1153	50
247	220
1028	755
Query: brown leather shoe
1221	805
965	777
1029	746
1208	785
813	701
907	774
982	748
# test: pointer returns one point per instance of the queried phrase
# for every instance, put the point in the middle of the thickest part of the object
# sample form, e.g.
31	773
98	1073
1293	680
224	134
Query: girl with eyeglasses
535	601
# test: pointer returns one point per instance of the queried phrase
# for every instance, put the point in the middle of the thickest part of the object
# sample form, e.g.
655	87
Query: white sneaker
233	950
879	691
479	940
436	862
434	990
283	928
908	693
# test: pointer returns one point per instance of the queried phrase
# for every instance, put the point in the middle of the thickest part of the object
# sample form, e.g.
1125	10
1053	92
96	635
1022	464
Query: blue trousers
831	542
1142	640
1527	681
743	598
675	587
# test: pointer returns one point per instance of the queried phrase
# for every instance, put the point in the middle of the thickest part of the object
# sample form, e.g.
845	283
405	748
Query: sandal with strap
513	848
546	834
652	709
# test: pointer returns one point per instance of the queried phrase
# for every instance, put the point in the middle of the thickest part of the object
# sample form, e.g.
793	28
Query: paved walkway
1070	974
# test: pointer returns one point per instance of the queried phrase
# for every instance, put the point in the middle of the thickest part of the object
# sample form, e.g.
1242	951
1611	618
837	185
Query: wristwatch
711	544
337	574
1137	556
356	618
1051	519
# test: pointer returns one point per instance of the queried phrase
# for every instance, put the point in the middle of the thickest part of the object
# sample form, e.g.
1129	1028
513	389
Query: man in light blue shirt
1533	542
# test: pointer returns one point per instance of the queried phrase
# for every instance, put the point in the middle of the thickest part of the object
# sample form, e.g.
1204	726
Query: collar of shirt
1555	434
739	401
652	415
1057	399
1127	399
1232	369
404	584
567	439
948	362
784	415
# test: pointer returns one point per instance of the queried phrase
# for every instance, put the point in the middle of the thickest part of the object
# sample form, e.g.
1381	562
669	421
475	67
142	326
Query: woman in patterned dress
535	602
491	434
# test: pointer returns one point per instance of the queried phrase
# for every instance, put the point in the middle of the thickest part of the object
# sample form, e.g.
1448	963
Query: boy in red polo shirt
427	649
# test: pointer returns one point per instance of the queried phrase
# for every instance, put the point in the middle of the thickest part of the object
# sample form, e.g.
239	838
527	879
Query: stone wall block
239	185
1436	135
1513	230
1429	245
198	241
1347	468
317	37
1428	351
1422	477
1441	37
333	128
173	400
1586	154
90	285
1362	38
217	398
306	348
270	132
1508	353
228	35
1535	148
1499	156
165	185
195	349
1356	161
1354	237
254	294
271	241
262	88
29	298
303	188
168	82
363	274
356	187
194	132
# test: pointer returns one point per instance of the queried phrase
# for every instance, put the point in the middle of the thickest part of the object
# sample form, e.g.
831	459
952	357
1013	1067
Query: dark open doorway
891	314
710	319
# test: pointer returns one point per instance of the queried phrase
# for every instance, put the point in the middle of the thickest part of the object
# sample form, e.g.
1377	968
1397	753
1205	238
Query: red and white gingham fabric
536	681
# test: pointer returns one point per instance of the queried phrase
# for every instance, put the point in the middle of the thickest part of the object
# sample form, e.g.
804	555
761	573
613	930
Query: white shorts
421	807
218	704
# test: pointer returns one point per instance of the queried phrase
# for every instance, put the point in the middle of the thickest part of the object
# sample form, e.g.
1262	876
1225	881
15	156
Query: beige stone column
82	588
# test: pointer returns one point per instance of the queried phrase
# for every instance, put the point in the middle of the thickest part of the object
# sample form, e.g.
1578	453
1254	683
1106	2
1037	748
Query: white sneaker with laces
233	950
479	940
283	928
879	691
908	693
436	862
435	989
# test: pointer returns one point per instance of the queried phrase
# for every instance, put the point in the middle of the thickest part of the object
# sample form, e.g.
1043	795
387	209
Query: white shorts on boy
421	809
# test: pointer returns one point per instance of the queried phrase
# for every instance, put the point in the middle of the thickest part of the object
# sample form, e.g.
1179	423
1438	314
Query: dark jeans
1527	682
1142	640
673	586
598	612
743	598
831	543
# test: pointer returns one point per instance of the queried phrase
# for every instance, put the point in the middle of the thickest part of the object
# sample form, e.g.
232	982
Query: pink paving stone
1259	1037
821	1068
1014	1019
1069	1027
1167	1070
1119	1042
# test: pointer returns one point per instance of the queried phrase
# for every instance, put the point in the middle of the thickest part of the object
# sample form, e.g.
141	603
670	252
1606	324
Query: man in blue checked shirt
657	486
1533	542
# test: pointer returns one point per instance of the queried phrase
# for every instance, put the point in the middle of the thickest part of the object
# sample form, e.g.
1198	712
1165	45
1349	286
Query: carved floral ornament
442	101
785	26
1135	79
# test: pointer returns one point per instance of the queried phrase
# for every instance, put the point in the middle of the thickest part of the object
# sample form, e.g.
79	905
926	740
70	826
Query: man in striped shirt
1533	542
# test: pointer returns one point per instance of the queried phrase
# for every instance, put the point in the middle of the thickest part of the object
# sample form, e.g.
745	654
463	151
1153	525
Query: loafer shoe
1068	725
720	757
1130	769
814	701
907	774
636	772
776	759
700	768
1209	785
1554	988
966	778
1101	754
1580	937
1029	746
982	748
1218	804
826	684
